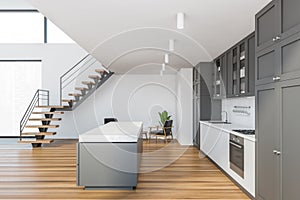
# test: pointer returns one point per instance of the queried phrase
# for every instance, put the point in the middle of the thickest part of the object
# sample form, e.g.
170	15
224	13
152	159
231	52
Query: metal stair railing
40	98
78	73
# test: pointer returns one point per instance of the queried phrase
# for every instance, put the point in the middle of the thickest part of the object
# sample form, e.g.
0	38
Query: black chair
107	120
165	132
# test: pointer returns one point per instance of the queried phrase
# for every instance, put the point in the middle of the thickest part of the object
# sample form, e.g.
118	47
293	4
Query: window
20	81
21	27
56	35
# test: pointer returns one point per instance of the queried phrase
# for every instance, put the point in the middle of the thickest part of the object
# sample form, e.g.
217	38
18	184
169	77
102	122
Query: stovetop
244	131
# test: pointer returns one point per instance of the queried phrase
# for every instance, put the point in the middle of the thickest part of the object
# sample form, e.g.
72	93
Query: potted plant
164	116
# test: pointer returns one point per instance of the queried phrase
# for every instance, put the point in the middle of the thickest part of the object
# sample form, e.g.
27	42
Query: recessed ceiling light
163	67
167	58
180	20
171	45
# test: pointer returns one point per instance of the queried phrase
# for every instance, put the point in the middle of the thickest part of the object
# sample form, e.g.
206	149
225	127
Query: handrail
81	67
75	65
39	95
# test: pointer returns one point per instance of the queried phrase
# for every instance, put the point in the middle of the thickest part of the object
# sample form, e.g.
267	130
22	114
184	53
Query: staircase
76	85
82	80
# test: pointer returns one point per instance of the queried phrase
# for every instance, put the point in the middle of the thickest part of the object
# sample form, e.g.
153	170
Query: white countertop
229	127
113	132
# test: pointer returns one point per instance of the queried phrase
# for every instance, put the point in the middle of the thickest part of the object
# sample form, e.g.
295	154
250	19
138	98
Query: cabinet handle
276	78
276	152
236	145
276	38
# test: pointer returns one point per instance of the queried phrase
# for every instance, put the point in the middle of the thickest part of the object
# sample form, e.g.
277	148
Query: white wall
245	120
185	106
127	98
56	60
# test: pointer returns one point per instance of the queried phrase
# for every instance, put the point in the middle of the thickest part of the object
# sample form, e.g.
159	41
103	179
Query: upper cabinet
277	21
278	42
235	70
220	76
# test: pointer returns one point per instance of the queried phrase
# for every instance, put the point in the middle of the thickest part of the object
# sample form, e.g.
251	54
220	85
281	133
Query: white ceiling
122	34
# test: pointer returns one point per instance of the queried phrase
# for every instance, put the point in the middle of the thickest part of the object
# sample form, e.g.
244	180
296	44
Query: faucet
226	119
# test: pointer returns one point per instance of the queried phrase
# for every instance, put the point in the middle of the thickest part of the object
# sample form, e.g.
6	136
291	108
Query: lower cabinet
277	149
214	143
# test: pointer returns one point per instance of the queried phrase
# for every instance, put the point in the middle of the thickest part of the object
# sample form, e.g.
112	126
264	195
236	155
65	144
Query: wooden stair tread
38	133
41	126
44	119
34	141
75	94
88	83
81	88
94	77
68	100
48	113
49	106
100	71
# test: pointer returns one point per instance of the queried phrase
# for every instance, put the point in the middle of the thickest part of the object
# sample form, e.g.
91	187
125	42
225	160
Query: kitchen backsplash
240	111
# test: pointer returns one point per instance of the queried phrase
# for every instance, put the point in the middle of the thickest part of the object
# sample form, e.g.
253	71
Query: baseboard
227	175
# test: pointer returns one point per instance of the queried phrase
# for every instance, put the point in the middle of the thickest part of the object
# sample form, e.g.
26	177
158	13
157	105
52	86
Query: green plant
164	116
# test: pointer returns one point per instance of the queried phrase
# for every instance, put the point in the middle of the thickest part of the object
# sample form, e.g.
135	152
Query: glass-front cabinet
220	76
234	72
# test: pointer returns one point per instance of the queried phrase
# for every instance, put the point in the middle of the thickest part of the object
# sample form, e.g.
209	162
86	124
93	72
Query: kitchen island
109	156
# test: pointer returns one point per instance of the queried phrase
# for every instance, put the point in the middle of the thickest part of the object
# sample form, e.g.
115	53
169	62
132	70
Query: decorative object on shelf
241	111
164	116
248	107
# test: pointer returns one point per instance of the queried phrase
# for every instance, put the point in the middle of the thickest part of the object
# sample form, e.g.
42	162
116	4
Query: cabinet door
290	137
217	78
223	76
229	73
267	62
251	66
289	51
235	72
242	68
267	137
289	17
267	25
220	77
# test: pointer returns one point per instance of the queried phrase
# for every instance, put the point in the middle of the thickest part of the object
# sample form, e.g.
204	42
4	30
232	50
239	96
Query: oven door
237	158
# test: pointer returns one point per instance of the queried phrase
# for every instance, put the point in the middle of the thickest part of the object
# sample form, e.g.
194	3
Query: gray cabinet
240	62
279	62
267	26
220	77
277	21
277	149
289	125
277	102
267	136
266	65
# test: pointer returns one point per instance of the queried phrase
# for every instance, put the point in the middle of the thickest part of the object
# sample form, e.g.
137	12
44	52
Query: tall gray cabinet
278	101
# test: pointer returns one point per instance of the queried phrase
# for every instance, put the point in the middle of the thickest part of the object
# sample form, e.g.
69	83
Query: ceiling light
163	67
171	45
180	20
167	58
161	73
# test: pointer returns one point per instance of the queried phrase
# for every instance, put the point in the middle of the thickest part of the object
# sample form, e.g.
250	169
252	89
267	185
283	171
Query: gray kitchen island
108	156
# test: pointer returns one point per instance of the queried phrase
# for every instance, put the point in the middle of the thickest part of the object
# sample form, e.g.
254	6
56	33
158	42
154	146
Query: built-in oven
236	154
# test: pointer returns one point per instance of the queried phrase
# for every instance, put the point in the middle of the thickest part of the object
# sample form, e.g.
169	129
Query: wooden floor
50	173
